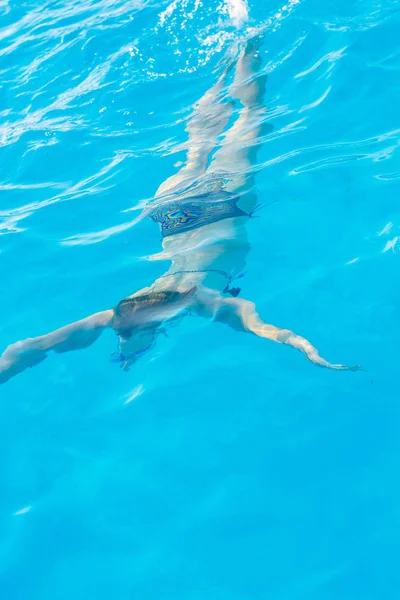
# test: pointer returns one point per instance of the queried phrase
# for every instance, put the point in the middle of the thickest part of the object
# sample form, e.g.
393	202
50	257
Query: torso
208	234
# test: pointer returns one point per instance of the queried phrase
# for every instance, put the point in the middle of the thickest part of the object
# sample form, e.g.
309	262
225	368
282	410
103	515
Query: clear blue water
221	466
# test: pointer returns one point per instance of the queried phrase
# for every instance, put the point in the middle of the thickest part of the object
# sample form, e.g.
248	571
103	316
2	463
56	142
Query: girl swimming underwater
202	212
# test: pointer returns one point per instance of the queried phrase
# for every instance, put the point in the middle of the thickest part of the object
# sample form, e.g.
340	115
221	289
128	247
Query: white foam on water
392	244
135	393
22	511
238	11
386	230
353	261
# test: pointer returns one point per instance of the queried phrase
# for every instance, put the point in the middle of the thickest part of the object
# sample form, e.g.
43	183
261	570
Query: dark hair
128	306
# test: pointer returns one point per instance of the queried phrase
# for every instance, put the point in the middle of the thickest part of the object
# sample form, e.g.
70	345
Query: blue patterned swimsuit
179	216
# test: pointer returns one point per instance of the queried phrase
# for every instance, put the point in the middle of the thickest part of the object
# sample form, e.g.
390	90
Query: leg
209	118
240	144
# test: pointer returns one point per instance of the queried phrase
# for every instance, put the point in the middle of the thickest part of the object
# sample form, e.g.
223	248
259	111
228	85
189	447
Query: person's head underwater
138	321
134	346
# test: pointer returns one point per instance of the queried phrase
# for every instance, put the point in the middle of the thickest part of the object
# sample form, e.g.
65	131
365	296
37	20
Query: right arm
27	353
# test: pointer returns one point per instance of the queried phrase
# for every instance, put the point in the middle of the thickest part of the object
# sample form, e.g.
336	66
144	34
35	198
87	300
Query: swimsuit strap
234	291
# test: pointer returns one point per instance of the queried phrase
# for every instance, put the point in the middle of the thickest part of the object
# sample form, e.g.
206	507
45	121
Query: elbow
283	336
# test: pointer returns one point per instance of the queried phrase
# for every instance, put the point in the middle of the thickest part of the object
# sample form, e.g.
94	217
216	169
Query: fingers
347	368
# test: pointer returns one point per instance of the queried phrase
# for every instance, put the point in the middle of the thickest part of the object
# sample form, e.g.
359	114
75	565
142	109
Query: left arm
241	315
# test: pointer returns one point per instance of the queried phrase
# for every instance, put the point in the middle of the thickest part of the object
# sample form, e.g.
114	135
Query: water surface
221	467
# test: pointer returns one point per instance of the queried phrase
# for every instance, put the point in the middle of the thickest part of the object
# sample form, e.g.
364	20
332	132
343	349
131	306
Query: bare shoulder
207	301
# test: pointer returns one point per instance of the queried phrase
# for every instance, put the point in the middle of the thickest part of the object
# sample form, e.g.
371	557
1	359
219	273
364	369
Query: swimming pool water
221	466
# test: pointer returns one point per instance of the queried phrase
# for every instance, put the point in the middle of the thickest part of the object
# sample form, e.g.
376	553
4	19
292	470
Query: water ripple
96	98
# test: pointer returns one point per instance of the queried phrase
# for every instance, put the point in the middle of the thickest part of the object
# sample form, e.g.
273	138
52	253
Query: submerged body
202	212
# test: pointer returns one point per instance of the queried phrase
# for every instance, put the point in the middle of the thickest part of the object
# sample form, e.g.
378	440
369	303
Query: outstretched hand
18	357
75	336
345	367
